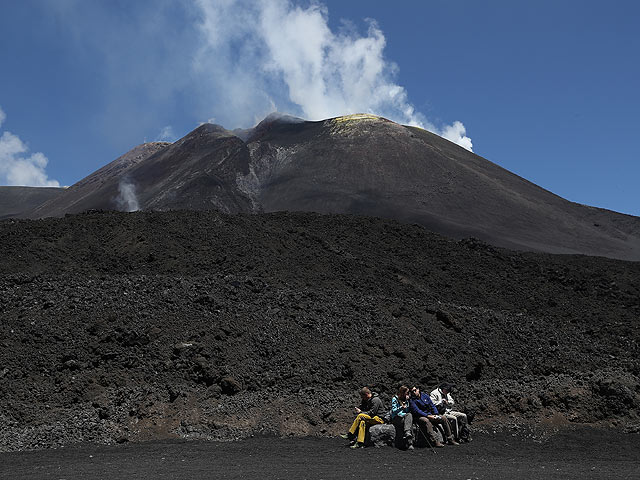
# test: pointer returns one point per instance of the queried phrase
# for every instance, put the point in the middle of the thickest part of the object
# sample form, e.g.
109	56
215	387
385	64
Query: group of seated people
409	407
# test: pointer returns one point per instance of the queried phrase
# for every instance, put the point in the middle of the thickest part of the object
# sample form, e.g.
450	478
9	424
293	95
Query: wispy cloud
278	55
17	166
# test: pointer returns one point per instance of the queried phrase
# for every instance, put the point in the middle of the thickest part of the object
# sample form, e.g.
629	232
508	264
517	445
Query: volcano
15	201
228	318
357	164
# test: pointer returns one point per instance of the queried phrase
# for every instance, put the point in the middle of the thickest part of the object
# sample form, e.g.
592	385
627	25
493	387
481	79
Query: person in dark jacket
369	412
426	415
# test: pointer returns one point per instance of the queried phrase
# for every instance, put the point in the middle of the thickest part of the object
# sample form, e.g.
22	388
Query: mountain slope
203	325
100	190
17	201
367	165
360	164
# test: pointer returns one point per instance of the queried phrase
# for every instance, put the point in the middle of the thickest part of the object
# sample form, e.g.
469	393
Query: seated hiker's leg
453	421
398	424
442	420
374	421
425	426
447	428
362	431
427	429
463	425
365	423
356	423
445	424
403	430
460	417
408	421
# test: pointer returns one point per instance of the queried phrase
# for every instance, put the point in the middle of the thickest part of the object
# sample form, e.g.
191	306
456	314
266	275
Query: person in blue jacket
426	415
401	416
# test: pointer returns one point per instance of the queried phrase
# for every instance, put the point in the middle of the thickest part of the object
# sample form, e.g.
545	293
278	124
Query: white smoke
17	167
166	135
456	133
275	55
127	200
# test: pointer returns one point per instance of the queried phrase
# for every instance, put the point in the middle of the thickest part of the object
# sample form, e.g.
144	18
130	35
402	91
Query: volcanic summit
358	164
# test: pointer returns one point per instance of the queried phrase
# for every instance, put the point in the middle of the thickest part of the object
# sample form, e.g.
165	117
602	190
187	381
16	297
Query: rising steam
127	200
275	55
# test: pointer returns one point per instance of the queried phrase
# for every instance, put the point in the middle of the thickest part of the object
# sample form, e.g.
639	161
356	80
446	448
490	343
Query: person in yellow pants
369	413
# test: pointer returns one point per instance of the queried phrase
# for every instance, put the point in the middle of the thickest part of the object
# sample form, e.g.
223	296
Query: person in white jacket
442	399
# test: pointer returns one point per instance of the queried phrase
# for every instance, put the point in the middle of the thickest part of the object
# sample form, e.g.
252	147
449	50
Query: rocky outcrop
188	324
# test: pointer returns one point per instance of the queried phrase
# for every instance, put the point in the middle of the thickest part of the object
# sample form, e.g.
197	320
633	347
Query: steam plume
166	135
127	200
275	55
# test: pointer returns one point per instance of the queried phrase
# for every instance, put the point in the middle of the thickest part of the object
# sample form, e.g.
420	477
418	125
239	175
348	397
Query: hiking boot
438	444
347	436
451	441
357	445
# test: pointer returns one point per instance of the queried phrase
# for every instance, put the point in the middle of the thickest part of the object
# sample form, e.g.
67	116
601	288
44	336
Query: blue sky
546	89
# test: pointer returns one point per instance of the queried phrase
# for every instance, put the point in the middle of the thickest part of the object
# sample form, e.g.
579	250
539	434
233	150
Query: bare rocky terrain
123	327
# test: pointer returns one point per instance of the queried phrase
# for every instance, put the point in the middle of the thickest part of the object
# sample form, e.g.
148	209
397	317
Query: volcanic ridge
357	164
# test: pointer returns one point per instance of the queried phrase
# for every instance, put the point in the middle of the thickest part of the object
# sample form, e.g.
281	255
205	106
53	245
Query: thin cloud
17	166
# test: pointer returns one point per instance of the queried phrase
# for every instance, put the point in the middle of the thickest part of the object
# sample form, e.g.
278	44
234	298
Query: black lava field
121	327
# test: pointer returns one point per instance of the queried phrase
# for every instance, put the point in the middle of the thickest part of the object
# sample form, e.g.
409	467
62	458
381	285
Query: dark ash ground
571	454
134	327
